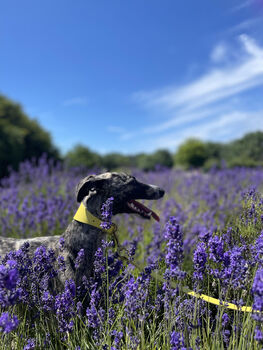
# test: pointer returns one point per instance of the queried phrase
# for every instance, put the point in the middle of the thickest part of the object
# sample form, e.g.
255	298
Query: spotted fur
92	191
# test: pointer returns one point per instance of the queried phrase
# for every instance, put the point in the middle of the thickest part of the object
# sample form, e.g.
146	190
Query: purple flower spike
31	344
177	341
200	258
106	212
174	255
80	258
8	323
257	290
258	335
61	243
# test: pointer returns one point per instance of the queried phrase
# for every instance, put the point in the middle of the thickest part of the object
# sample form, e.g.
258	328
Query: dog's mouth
138	208
128	199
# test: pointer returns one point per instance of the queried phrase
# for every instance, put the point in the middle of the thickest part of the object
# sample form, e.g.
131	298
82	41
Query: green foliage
144	161
251	146
214	150
83	156
247	151
20	137
163	157
192	153
148	162
112	161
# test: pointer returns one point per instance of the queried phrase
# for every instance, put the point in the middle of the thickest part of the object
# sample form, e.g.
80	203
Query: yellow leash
217	302
186	290
84	216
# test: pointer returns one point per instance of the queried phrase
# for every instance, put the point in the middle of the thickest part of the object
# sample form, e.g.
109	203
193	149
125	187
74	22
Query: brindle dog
92	191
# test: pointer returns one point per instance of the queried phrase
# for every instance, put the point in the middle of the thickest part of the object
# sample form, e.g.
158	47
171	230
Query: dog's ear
87	184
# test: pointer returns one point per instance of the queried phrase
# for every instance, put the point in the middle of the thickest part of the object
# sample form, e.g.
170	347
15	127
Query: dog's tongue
147	210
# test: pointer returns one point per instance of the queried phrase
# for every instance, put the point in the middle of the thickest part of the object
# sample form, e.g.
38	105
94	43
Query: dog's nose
161	192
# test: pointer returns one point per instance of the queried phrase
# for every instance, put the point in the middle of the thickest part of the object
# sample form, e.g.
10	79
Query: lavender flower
80	258
226	336
235	268
31	344
197	343
258	335
65	307
95	317
257	290
47	339
61	243
177	341
216	249
200	258
9	277
47	301
8	323
225	320
174	255
106	213
61	263
117	338
258	250
79	308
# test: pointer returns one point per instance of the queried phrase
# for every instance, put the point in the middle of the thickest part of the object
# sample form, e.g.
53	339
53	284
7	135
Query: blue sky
136	75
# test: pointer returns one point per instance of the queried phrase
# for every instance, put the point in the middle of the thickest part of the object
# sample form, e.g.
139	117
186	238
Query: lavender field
209	240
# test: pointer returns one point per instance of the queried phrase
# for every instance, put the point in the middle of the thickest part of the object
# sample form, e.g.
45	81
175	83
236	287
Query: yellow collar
84	216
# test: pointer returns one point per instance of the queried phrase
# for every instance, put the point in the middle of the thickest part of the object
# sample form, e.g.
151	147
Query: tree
192	153
148	162
21	137
83	156
113	161
163	157
214	153
144	161
246	151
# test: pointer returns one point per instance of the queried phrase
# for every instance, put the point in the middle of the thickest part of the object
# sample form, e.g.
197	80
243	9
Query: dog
91	192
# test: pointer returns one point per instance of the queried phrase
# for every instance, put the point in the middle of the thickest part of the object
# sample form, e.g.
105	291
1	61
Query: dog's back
10	244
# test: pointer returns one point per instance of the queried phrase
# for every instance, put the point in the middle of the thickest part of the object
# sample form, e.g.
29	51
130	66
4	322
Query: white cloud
183	118
243	5
251	47
210	107
215	85
219	53
245	25
76	101
225	127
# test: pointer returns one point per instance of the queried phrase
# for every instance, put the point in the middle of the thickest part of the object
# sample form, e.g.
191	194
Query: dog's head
125	189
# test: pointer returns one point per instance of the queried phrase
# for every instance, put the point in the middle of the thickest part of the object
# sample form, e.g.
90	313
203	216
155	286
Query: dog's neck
84	216
87	213
93	203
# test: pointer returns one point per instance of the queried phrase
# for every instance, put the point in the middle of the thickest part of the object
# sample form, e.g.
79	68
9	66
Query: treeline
83	156
193	153
246	151
22	138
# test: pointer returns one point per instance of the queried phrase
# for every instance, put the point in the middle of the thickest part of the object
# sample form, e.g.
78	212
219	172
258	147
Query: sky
136	75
